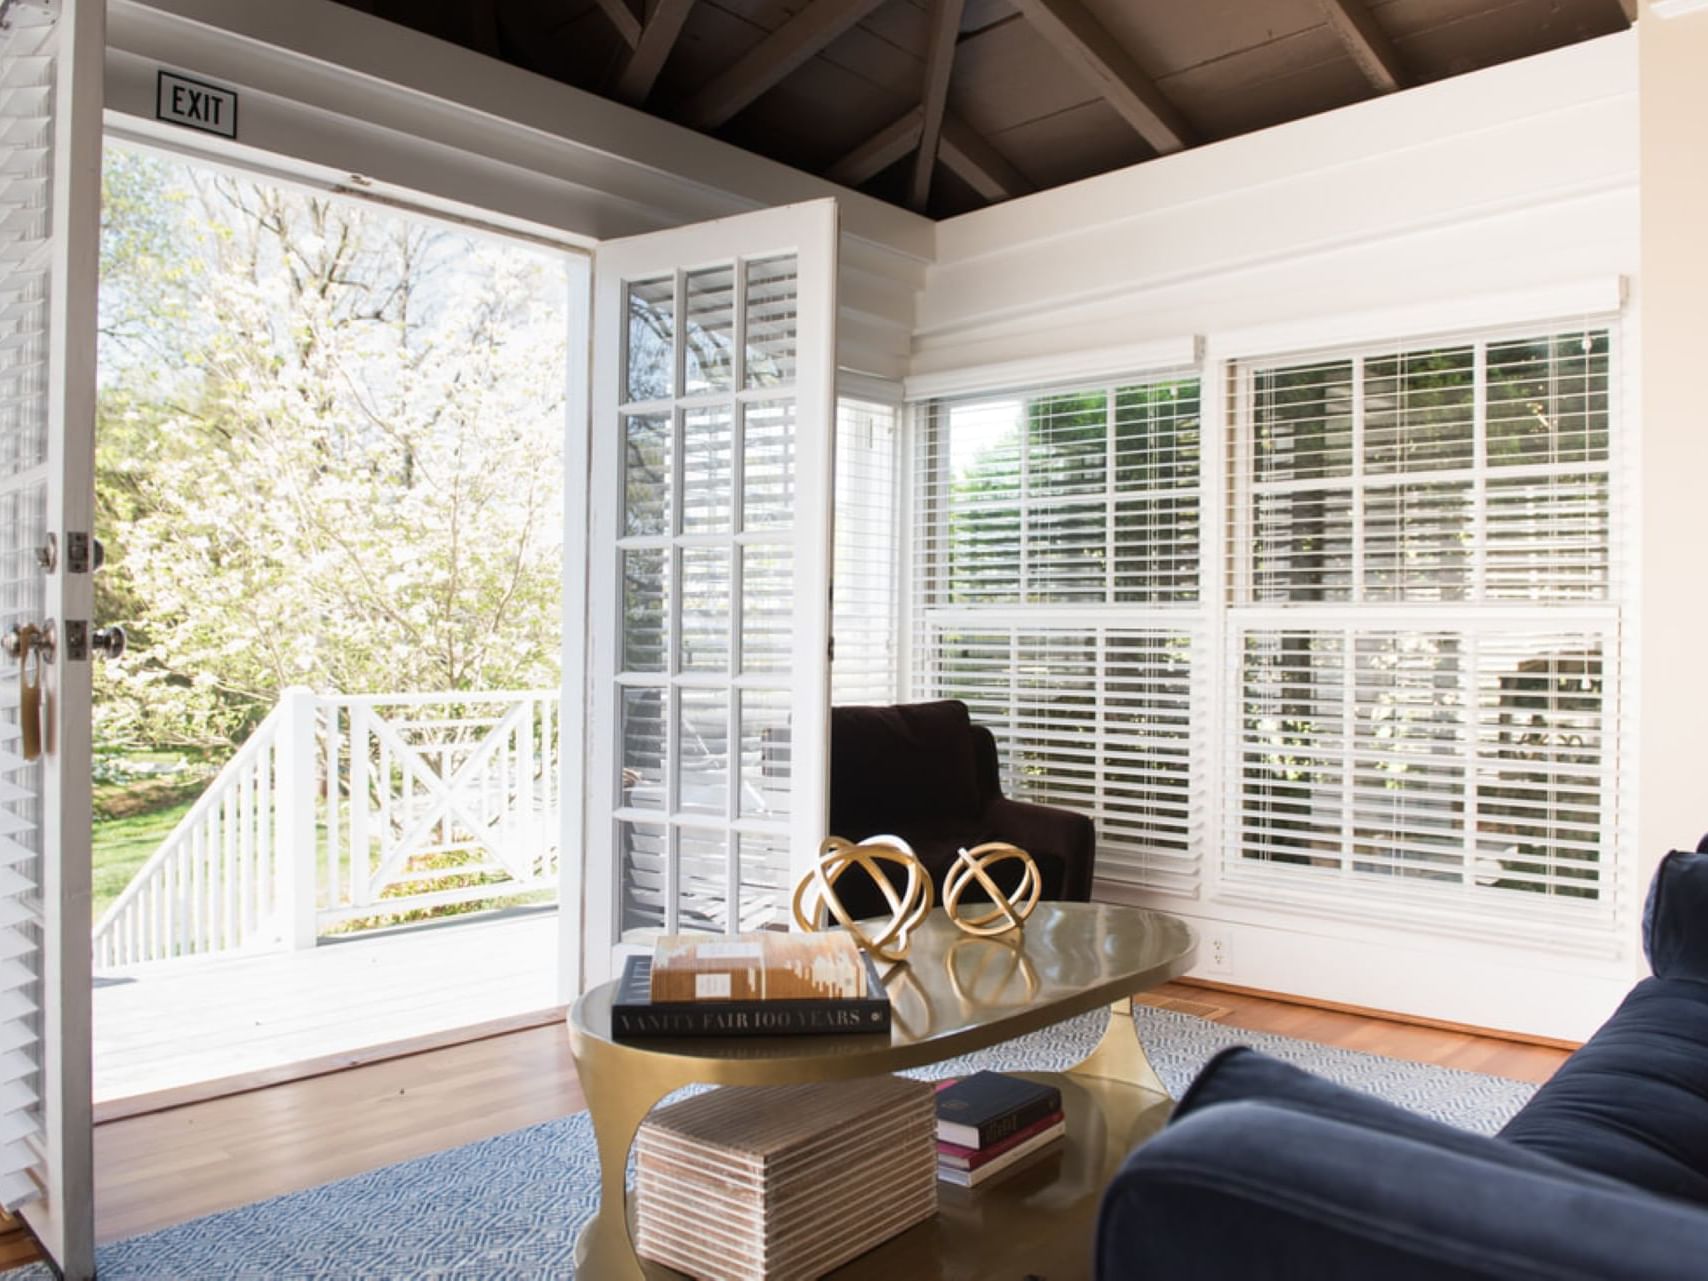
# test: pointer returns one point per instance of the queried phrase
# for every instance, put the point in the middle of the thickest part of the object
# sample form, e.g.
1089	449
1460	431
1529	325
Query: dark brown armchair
926	773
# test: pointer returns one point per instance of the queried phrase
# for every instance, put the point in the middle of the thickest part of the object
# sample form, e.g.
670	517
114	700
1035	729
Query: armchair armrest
1675	916
1070	836
1264	1192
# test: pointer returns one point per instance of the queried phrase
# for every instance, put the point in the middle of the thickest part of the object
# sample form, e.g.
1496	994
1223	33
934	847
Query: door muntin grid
706	555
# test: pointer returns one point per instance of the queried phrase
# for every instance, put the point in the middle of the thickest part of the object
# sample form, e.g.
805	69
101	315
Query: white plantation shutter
26	125
1424	625
50	146
1057	593
865	586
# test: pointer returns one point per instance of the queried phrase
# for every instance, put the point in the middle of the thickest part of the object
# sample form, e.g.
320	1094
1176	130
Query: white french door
51	54
713	431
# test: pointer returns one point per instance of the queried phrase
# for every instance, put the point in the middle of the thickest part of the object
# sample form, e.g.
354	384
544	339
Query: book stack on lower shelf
989	1123
774	1182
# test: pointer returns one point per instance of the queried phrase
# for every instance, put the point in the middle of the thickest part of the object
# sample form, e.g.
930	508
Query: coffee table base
1037	1219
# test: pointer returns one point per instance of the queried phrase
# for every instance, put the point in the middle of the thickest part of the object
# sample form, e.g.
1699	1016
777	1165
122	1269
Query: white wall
329	92
1672	707
1506	196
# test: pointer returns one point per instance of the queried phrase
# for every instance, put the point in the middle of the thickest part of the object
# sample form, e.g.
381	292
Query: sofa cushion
1675	917
1241	1074
890	765
1633	1102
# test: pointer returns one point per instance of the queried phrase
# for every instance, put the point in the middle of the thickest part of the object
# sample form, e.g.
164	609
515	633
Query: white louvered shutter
1424	632
50	126
1057	593
866	587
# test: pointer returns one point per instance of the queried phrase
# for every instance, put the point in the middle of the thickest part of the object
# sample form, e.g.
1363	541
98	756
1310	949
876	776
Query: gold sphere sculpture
815	897
1006	911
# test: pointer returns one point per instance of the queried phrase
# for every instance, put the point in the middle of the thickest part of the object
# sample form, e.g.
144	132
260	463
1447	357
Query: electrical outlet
1218	953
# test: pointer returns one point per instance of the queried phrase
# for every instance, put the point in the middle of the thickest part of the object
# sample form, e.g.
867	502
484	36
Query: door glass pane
770	355
645	580
703	738
768	463
707	477
646	474
765	883
767	599
765	754
652	338
709	349
644	746
642	866
702	880
705	609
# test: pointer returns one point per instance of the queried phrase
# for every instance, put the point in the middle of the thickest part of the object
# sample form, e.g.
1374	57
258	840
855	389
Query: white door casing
710	559
51	64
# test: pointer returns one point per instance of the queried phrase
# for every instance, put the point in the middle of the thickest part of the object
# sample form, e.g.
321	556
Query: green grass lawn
122	845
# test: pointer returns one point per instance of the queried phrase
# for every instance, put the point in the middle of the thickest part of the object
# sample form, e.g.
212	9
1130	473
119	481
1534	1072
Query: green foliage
328	453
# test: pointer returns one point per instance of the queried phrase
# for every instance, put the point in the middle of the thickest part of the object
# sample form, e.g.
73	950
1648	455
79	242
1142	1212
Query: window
1423	616
1058	595
1403	672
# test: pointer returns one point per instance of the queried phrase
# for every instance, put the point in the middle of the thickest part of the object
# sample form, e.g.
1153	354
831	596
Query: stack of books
988	1123
784	1181
766	983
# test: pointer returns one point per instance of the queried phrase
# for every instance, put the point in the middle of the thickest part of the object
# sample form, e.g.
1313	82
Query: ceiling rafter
657	39
880	151
623	19
1089	48
1366	42
978	164
773	58
939	65
1629	9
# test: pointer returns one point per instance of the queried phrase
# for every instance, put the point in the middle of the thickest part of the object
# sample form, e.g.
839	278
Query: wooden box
779	1183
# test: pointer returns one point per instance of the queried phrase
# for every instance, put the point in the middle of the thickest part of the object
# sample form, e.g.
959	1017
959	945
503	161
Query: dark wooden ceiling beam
880	151
773	58
624	20
1366	42
939	64
1089	48
657	39
1629	9
978	164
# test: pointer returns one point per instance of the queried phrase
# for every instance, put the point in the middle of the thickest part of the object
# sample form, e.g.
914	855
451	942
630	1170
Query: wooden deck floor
163	1031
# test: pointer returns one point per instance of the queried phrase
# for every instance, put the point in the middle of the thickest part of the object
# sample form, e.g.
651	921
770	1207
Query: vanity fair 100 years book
766	983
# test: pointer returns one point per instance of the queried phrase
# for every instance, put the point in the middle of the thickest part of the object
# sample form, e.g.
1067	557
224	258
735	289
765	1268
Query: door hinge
76	640
77	551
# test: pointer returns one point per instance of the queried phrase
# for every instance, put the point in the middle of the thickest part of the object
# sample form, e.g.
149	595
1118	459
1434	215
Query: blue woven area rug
509	1207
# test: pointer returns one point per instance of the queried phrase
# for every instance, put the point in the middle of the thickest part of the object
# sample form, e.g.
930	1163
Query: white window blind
28	41
1424	623
865	618
1057	593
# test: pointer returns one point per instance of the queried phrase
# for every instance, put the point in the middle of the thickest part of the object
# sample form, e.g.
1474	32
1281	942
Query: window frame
1560	923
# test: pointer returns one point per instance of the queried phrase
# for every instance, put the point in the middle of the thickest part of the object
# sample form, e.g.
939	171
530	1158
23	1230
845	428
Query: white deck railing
347	811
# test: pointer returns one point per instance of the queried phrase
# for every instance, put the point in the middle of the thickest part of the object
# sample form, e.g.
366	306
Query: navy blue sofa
1266	1172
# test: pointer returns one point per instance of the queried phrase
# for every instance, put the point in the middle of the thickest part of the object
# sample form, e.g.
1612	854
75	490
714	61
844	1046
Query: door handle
24	643
109	642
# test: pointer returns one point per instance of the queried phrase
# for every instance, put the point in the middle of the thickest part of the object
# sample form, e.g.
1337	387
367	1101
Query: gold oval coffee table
955	994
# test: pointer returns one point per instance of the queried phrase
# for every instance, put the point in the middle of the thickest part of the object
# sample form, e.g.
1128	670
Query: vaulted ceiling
947	105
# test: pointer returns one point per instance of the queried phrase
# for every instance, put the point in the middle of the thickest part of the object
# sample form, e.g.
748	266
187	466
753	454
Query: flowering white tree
328	453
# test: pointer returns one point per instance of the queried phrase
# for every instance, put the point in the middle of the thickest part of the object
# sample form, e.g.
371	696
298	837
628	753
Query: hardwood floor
165	1167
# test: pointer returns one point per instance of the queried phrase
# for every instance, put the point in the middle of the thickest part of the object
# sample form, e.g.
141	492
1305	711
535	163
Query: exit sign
196	105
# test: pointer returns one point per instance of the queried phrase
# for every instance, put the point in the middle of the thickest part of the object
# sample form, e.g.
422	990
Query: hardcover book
634	1012
766	965
1012	1157
987	1107
954	1157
